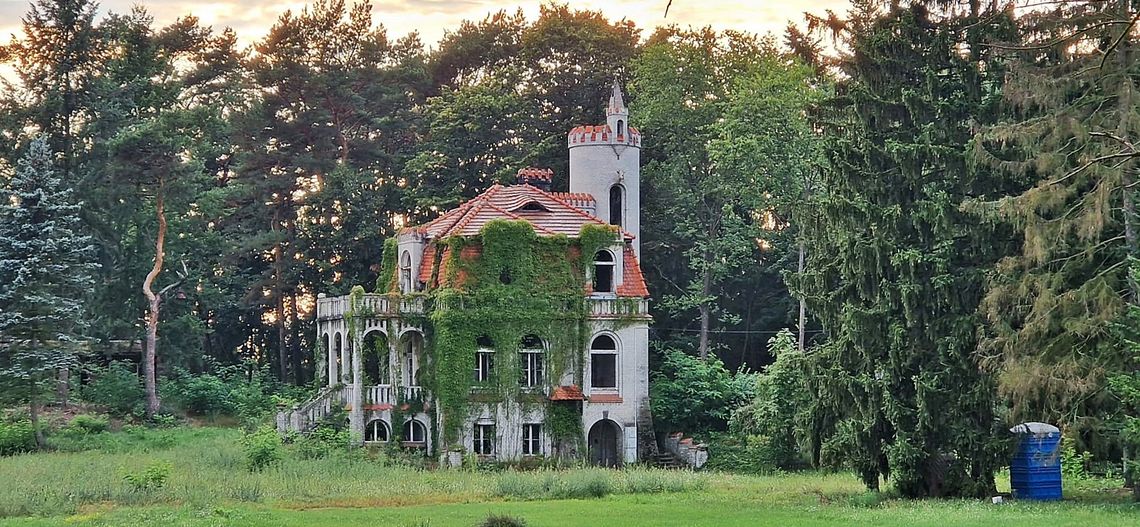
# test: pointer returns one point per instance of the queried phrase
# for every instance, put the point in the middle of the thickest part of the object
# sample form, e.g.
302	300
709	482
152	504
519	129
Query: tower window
406	272
616	204
603	272
621	128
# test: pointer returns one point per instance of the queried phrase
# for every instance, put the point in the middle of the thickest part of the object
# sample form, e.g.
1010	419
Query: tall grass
209	469
595	483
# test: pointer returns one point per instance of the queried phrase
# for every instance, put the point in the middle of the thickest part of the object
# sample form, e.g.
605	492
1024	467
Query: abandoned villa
514	325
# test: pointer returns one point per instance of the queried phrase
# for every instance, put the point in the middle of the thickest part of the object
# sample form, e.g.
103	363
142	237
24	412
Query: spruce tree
46	264
895	269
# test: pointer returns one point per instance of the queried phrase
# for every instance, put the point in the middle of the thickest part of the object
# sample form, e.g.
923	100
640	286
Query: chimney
539	178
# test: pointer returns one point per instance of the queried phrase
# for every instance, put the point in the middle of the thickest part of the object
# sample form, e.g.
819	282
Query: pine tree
895	269
46	264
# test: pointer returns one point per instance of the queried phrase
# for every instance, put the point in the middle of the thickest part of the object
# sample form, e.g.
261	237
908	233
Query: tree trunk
63	386
299	376
706	311
34	414
803	303
282	349
153	304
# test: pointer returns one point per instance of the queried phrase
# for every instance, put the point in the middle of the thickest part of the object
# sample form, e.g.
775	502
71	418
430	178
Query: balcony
618	308
332	308
385	394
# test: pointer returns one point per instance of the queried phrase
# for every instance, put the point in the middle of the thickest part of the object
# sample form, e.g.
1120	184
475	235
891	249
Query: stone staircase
302	418
681	451
667	461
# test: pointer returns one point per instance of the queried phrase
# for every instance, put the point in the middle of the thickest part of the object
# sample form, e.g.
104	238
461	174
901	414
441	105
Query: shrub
779	408
89	424
262	449
752	454
16	437
249	400
321	442
205	395
116	388
502	521
152	477
694	395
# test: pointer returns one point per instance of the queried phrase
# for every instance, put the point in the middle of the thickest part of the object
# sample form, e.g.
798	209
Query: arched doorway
603	442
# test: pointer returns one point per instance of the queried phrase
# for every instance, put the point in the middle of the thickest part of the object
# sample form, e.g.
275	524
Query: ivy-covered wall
520	284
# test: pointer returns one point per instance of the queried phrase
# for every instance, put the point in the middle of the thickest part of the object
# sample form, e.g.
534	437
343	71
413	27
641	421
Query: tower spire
617	102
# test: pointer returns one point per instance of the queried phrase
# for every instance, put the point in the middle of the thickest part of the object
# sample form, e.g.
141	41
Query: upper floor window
603	272
406	272
616	204
603	362
621	128
531	362
484	359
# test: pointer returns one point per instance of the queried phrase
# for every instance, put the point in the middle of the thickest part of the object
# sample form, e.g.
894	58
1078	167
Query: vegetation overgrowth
199	476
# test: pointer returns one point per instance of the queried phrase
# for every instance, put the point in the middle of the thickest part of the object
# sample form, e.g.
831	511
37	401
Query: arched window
376	431
603	363
406	272
413	346
531	362
338	353
621	128
484	359
375	355
603	272
616	204
415	432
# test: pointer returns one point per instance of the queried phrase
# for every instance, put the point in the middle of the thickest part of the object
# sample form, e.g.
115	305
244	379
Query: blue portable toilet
1035	473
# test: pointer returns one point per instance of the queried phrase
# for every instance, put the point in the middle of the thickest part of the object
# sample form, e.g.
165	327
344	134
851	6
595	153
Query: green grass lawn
209	485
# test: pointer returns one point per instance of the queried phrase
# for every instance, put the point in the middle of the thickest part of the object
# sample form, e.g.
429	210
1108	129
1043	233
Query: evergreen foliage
895	270
46	267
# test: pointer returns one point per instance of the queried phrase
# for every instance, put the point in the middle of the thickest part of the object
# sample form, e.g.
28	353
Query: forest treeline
939	195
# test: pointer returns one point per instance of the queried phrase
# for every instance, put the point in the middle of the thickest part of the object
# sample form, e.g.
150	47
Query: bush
321	442
205	395
115	388
694	395
16	437
779	409
152	477
502	521
89	424
262	449
753	454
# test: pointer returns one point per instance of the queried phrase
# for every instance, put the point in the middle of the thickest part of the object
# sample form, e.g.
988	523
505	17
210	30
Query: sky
253	18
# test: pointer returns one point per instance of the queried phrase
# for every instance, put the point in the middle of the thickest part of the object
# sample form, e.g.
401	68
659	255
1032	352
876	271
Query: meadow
199	477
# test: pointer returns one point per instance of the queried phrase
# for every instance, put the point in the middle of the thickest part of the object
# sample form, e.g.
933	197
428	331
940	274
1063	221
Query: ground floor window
376	431
415	432
484	443
532	439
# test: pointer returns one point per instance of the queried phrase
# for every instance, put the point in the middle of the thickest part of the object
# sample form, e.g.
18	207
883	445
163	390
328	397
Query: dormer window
533	206
603	272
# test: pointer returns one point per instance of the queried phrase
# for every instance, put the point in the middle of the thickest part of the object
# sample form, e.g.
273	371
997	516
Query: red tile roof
567	393
633	282
547	212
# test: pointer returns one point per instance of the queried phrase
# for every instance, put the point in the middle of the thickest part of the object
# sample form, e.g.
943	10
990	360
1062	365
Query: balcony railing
618	307
385	394
373	304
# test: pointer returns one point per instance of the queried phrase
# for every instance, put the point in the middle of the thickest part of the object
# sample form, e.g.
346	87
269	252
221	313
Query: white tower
605	162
